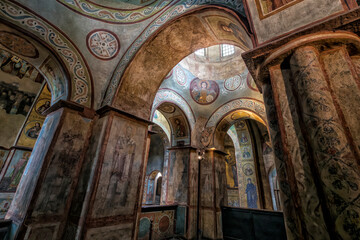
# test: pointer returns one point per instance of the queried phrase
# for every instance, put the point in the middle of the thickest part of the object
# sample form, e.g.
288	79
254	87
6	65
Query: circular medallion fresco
18	44
233	83
32	129
42	105
248	169
164	224
103	44
204	91
167	108
180	76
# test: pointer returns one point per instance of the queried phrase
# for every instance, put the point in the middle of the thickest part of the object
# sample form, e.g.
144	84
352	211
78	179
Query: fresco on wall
5	201
4	153
178	176
269	7
55	78
103	44
227	29
18	44
231	171
31	130
204	91
180	129
233	198
14	170
118	184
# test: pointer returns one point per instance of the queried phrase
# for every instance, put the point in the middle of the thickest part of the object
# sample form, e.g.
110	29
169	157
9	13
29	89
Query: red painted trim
104	30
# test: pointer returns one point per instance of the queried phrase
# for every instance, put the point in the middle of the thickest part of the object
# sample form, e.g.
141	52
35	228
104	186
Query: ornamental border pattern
251	104
113	15
171	13
79	75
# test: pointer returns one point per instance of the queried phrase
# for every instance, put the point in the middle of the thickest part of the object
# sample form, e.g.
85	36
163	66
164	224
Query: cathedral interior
179	119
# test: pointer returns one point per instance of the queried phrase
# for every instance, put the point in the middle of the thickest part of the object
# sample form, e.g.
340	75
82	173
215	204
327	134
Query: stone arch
143	76
169	95
80	87
178	121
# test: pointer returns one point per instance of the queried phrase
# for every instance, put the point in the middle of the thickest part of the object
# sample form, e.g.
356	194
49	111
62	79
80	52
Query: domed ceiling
205	81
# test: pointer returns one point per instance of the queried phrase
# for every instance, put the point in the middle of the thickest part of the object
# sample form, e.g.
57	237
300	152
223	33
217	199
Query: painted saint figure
34	131
121	169
179	128
18	170
251	194
43	107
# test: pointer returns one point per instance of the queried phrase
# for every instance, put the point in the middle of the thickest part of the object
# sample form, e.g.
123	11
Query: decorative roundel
164	223
248	169
167	108
103	44
204	91
233	83
180	76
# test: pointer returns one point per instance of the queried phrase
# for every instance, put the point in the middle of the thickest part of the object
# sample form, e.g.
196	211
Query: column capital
84	111
106	109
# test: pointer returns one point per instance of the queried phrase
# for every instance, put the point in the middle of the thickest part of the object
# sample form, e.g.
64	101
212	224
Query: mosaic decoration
233	83
79	74
267	8
204	91
35	120
180	76
240	103
180	8
103	44
18	44
168	95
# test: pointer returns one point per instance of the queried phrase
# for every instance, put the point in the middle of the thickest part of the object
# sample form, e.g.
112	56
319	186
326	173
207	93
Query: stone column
41	204
212	193
333	156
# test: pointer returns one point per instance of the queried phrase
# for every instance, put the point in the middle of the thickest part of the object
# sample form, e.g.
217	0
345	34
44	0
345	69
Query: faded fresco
227	29
63	166
206	182
178	176
122	231
55	78
180	127
31	129
204	91
5	201
43	231
19	84
220	180
14	170
118	184
4	153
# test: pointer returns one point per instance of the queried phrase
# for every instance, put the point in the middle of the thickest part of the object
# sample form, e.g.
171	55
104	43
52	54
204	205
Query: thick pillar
334	157
182	187
41	204
212	194
116	164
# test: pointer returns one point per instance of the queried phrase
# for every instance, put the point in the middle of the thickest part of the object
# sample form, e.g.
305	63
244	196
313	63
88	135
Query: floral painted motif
103	44
79	74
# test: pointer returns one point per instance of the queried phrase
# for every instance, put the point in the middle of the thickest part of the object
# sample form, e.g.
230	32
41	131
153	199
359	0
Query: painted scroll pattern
121	16
180	8
80	76
168	95
240	103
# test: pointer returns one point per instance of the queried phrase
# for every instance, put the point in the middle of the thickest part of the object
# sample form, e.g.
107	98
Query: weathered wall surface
292	17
